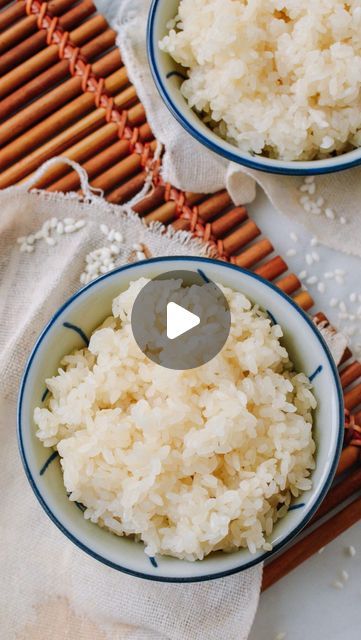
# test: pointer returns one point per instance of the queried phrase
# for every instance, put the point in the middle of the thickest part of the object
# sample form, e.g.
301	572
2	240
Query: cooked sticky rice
186	461
275	77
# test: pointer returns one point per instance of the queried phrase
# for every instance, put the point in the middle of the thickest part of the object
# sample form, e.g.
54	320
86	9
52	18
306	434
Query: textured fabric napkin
49	588
340	192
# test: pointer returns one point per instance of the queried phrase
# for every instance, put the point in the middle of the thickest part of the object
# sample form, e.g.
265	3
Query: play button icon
180	319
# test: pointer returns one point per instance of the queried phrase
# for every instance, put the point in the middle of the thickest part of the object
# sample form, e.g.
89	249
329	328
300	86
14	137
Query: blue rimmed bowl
169	76
70	328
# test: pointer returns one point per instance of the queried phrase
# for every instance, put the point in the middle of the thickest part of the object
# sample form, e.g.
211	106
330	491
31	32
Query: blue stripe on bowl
153	562
299	505
315	373
272	318
177	74
78	330
52	457
80	506
203	275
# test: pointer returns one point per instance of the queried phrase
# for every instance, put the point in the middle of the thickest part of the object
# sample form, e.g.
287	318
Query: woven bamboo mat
64	90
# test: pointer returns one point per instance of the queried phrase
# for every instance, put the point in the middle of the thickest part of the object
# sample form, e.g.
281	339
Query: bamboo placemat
64	90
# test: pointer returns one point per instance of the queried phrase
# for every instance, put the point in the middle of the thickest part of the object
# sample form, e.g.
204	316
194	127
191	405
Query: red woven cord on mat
79	66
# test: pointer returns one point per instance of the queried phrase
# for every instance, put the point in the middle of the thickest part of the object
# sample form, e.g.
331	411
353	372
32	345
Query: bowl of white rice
272	85
180	475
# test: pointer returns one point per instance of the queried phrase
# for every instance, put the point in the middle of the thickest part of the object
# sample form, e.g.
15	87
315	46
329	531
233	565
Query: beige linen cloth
49	588
340	191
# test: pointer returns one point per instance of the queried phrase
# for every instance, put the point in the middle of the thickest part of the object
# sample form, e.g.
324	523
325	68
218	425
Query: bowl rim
266	165
309	513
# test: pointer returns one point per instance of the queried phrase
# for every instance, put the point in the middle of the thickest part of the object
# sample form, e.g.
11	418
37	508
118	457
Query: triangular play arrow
179	320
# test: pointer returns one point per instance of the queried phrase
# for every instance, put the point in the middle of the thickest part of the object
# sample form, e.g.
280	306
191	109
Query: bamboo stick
214	205
239	238
37	41
289	284
50	55
349	457
51	77
272	269
353	397
304	300
46	129
346	356
254	254
136	115
350	374
79	152
320	317
134	185
28	24
181	224
87	149
4	3
120	172
167	211
107	135
13	13
228	221
339	493
128	190
152	200
54	100
312	543
17	32
105	158
61	142
242	236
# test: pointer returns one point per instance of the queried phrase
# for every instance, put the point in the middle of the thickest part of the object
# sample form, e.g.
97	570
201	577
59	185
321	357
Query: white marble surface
304	605
278	228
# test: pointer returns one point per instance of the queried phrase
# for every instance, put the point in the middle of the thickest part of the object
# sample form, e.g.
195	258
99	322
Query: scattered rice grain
329	213
337	584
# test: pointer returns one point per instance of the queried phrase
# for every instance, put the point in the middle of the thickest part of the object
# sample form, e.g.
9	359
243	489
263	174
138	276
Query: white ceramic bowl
169	76
67	330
